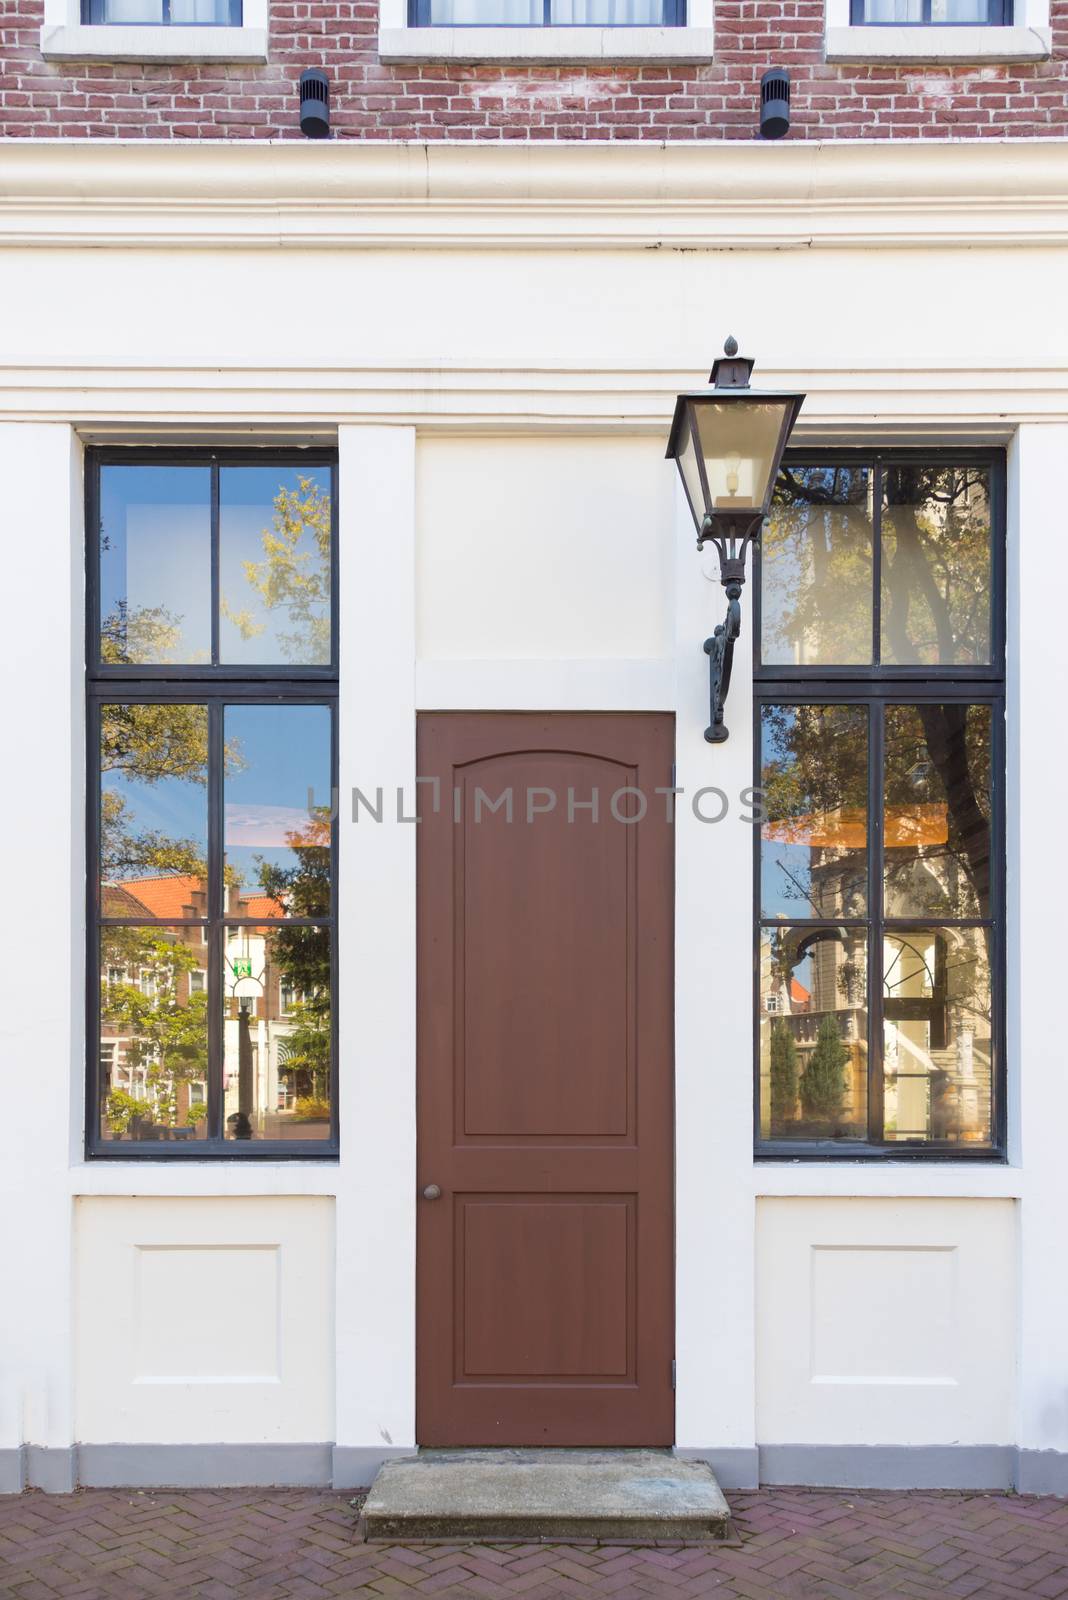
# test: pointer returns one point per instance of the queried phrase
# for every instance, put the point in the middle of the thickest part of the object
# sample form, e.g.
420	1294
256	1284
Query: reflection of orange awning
845	828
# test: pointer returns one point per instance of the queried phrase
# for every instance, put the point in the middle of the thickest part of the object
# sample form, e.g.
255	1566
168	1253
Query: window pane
274	565
899	11
277	810
487	13
608	13
937	1035
276	1033
153	1035
936	566
155	564
813	1033
814	839
181	11
816	568
960	11
937	811
153	811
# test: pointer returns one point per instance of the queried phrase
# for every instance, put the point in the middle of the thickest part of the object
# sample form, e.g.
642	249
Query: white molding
253	194
899	404
534	685
119	42
932	45
521	45
1029	39
216	1179
398	42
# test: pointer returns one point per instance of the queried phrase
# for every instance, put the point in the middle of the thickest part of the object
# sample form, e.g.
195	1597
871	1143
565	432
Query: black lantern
728	443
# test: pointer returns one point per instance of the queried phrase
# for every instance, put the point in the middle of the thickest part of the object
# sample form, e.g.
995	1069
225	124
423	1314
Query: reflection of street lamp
727	443
244	987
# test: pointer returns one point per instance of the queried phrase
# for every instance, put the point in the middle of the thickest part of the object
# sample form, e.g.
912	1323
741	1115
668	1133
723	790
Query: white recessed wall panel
885	1321
205	1320
543	547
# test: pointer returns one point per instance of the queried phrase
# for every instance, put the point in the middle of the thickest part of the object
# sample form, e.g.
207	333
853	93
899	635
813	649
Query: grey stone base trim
872	1466
356	1465
320	1466
734	1469
1042	1472
204	1466
53	1470
12	1470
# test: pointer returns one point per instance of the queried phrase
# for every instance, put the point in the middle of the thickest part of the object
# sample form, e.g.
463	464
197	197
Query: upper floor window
937	13
212	832
156	13
547	13
880	859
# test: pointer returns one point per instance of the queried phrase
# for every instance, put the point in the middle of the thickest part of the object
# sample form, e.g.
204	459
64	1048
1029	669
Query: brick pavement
274	1544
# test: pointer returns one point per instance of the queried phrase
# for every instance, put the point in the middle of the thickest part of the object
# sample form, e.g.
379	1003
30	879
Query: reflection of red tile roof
116	901
173	897
259	905
799	995
176	897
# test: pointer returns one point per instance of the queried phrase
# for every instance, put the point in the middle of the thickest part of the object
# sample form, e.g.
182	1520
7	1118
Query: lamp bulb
732	462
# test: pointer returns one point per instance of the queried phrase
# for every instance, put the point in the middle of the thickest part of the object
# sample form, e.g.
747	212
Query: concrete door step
635	1496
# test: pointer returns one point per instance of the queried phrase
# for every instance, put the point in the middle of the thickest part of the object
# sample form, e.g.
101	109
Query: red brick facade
375	101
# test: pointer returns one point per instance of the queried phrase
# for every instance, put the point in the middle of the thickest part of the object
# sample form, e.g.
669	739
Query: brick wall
373	101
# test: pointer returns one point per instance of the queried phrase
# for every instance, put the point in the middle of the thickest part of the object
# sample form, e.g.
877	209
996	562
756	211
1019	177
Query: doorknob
431	1192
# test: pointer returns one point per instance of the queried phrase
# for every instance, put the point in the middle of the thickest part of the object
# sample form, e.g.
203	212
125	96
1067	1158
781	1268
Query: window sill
938	45
545	44
120	42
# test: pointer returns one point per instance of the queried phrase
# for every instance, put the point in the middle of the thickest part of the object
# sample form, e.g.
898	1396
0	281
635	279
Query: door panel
545	1080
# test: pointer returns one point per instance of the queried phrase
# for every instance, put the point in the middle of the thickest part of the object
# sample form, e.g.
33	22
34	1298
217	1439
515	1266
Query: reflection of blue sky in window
155	557
173	807
281	752
246	511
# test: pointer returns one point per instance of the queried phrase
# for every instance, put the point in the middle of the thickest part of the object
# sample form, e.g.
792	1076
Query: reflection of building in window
265	1011
936	1026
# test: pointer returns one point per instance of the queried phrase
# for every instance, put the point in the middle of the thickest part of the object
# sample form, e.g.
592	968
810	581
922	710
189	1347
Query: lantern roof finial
732	371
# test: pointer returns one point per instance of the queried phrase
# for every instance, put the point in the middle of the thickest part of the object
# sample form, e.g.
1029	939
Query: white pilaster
1038	1046
376	1182
42	969
714	1401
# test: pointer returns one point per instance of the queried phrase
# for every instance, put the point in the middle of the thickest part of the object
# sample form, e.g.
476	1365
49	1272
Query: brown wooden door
545	1269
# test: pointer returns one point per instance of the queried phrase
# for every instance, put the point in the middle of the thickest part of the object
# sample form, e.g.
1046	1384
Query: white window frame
1028	38
65	37
398	42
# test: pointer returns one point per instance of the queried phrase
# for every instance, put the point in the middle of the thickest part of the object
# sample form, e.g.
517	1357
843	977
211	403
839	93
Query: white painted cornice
344	194
894	404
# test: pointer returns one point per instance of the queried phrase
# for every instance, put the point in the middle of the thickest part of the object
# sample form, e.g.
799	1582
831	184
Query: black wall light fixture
314	103
775	103
727	443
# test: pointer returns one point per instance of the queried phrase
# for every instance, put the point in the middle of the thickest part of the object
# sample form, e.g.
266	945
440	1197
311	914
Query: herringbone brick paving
791	1544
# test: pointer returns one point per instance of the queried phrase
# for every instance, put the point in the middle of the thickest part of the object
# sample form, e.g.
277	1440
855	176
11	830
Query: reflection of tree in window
936	565
158	1030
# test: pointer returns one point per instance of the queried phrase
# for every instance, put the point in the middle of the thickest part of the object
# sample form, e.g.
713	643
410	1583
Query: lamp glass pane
740	443
689	471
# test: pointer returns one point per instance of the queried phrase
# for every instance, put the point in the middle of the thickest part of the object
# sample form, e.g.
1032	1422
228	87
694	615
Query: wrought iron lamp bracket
731	533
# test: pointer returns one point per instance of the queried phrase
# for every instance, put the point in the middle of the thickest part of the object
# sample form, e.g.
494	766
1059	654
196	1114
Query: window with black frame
163	13
931	13
212	651
879	728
